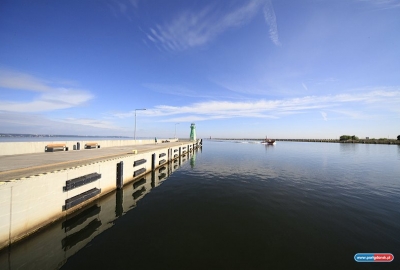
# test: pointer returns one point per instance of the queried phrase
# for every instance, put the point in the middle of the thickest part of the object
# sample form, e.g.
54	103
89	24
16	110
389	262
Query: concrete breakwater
369	141
33	197
363	141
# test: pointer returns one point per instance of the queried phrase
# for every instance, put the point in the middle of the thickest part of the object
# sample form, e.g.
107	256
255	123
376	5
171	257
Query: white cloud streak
304	86
22	81
176	90
383	4
122	7
190	29
96	123
15	122
324	116
269	15
50	97
387	99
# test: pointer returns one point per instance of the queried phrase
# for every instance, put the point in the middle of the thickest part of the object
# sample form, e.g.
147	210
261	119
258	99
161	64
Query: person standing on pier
155	140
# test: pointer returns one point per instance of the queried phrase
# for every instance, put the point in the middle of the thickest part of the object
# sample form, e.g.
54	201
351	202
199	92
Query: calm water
238	206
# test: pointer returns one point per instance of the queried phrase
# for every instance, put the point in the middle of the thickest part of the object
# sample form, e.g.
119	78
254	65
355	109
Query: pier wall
16	148
30	203
66	237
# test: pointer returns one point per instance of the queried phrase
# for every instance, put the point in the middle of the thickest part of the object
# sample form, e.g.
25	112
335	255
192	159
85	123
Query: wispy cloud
383	4
51	96
195	28
123	7
97	123
384	99
269	15
324	116
16	122
22	81
354	114
189	118
304	86
242	88
176	90
326	81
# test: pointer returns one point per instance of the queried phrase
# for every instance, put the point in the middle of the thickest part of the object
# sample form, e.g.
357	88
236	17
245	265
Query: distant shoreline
362	141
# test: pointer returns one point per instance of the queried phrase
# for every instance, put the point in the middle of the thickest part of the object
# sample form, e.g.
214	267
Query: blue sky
238	69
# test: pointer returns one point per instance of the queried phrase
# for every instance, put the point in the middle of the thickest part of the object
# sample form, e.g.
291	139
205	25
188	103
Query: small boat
268	141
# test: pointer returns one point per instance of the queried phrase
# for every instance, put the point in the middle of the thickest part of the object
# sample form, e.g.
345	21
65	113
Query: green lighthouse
193	132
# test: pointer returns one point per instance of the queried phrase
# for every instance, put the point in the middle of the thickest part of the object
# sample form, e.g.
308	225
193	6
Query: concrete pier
39	188
52	247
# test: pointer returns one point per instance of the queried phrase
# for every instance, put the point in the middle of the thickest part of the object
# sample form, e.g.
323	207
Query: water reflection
348	147
193	160
269	147
79	219
398	150
119	199
51	247
71	240
247	206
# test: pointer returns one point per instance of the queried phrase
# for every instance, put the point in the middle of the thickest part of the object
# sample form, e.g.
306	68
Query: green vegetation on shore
355	139
348	137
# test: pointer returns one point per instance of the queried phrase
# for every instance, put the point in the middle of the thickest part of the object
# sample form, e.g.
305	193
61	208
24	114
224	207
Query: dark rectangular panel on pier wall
80	181
139	162
140	171
71	202
161	155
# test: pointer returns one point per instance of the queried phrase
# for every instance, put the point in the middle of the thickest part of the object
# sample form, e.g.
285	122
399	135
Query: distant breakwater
362	141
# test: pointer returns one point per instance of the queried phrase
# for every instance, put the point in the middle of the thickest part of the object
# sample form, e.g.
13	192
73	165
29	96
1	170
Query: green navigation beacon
193	132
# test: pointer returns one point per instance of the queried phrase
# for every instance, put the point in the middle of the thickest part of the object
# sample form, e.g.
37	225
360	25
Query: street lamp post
175	130
135	121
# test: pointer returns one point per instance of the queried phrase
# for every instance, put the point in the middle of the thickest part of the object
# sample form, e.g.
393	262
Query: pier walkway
13	167
38	188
